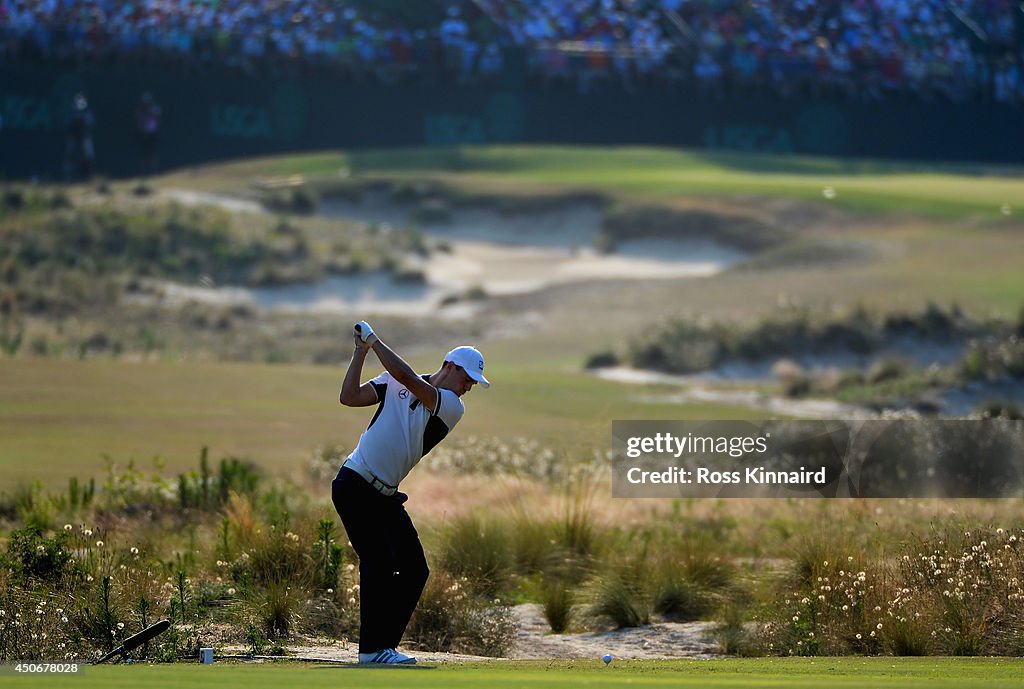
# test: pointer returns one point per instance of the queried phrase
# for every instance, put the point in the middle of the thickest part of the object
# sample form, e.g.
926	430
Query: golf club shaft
133	642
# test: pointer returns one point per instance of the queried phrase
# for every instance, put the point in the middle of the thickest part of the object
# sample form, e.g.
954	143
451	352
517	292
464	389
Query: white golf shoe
388	656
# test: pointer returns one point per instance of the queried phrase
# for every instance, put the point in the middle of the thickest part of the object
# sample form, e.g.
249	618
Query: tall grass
622	597
785	577
958	594
450	617
478	548
558	596
692	344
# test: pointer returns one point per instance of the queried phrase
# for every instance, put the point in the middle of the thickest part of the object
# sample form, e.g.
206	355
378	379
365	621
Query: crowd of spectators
860	50
257	36
956	50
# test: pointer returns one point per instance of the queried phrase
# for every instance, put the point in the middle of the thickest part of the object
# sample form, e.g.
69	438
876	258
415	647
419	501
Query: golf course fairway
820	673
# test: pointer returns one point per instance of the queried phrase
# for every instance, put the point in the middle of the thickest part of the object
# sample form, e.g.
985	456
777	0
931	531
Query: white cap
470	359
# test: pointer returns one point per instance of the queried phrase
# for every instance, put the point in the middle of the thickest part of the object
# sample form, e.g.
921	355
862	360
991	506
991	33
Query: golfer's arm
403	373
352	393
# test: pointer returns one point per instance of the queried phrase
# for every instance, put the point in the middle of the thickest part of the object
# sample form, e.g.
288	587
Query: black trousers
392	568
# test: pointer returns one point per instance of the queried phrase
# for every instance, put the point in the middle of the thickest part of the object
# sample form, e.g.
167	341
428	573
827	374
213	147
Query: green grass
860	185
819	673
67	415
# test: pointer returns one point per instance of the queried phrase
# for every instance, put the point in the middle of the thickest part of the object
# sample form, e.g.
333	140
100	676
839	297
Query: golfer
414	413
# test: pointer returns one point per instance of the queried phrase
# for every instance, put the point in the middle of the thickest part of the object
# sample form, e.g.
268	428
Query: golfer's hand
363	334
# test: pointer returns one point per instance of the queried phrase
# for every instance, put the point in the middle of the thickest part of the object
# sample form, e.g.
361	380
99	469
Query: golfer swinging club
414	413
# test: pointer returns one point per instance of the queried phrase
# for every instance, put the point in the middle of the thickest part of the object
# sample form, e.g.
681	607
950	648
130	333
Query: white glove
364	332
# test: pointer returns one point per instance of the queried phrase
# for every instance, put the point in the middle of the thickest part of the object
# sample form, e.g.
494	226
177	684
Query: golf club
133	642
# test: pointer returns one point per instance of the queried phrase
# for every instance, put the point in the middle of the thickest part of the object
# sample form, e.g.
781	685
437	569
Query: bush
732	634
449	618
60	200
279	556
955	594
679	599
535	546
686	345
332	615
300	200
886	369
33	556
679	347
558	598
994	358
622	597
603	359
1001	409
409	275
278	606
14	198
478	548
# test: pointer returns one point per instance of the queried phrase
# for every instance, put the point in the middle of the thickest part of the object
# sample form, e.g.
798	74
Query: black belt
378	485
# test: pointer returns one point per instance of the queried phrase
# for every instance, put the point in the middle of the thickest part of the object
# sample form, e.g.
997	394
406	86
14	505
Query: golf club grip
145	635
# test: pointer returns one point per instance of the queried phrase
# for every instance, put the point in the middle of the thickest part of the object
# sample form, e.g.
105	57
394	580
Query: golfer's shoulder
450	407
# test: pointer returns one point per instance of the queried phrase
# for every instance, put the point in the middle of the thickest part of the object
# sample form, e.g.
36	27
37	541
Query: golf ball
607	658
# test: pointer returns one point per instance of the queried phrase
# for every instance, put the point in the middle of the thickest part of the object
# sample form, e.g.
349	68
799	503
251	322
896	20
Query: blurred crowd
860	48
258	36
957	50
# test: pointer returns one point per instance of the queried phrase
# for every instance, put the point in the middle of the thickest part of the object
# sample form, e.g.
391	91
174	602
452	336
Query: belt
378	485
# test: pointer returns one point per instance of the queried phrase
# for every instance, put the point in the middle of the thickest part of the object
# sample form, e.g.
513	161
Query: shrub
409	274
956	594
886	369
685	345
679	347
478	548
328	555
14	198
38	622
994	358
450	618
1002	409
475	293
603	359
689	576
578	533
623	598
278	607
535	546
101	616
333	615
732	634
301	200
908	637
679	599
558	597
60	200
278	556
33	556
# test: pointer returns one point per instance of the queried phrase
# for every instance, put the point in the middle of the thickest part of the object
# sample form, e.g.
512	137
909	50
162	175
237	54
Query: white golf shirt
402	431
